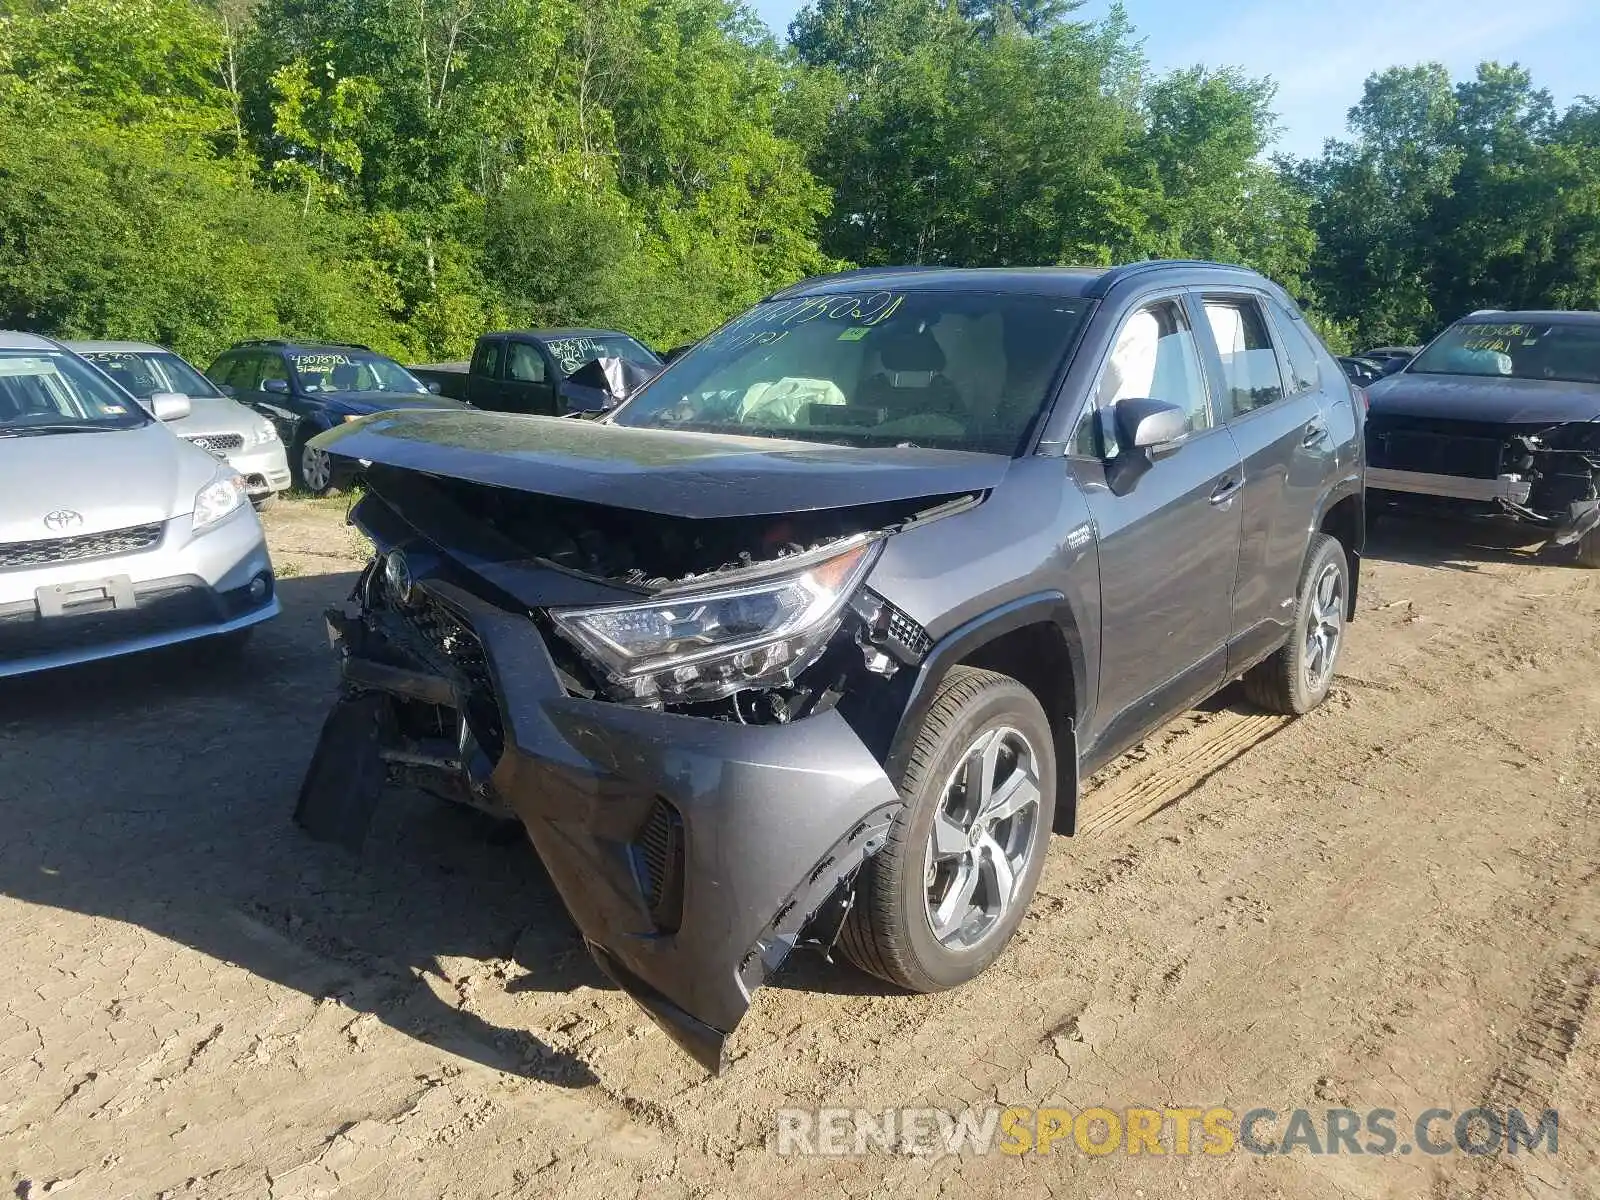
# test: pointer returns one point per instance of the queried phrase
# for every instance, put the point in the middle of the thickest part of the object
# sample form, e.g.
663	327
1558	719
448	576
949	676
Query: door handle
1226	490
1315	431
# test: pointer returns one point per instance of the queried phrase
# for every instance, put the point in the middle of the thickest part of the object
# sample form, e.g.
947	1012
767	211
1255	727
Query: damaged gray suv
812	640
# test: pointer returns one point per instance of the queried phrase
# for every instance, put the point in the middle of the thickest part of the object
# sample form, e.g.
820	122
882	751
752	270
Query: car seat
912	380
345	377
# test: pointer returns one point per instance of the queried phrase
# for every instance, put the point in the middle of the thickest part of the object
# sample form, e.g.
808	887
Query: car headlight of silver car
222	496
703	644
264	434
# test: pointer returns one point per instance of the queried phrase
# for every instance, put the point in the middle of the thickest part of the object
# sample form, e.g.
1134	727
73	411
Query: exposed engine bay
741	563
1562	468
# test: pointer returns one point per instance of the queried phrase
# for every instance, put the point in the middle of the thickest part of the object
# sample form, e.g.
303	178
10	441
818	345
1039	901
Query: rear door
1169	545
1273	407
529	387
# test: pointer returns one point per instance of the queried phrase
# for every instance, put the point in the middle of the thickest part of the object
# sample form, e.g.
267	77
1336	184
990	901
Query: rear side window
246	372
1300	355
1249	363
223	369
486	359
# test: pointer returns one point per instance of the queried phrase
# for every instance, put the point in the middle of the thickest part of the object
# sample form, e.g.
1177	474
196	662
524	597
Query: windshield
324	371
965	371
146	372
570	353
55	392
1566	351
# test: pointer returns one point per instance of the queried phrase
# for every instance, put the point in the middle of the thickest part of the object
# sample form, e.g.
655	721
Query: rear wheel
1299	676
962	859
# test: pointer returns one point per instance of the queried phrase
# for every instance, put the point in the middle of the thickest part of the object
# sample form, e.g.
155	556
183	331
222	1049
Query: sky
1321	51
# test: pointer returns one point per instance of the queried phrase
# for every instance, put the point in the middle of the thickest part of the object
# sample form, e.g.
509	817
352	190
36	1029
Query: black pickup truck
550	372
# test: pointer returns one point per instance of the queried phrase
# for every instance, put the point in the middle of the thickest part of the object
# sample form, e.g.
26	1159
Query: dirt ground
1391	903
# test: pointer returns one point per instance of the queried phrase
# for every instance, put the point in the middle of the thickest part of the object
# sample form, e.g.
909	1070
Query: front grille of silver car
43	553
219	444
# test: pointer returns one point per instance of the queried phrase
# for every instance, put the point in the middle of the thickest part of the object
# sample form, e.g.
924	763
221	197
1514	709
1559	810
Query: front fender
1049	608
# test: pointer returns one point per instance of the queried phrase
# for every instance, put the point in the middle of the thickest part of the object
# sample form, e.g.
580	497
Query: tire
891	931
1299	674
1588	552
314	471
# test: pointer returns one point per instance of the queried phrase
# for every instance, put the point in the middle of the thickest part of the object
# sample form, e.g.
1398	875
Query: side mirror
169	406
1150	425
433	386
280	386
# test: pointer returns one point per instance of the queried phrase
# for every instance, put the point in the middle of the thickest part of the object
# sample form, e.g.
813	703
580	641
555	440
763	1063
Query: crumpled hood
696	475
111	480
1487	398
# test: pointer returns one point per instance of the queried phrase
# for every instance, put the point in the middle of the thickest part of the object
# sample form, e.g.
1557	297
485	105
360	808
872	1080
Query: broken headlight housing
700	644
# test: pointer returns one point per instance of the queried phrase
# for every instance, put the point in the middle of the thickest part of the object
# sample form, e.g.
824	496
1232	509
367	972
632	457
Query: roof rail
311	342
1117	274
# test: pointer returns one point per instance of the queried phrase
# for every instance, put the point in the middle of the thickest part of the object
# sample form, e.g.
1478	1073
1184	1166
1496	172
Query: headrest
911	352
344	377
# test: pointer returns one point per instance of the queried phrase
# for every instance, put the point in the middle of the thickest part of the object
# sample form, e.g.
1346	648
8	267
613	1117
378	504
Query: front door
528	386
1169	544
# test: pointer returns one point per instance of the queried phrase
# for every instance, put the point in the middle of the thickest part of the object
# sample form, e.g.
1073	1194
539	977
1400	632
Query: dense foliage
1451	197
408	174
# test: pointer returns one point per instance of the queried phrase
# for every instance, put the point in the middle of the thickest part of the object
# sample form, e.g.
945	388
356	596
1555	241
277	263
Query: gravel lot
1394	902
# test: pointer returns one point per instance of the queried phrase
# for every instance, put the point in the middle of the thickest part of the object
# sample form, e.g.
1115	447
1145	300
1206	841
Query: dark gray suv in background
813	639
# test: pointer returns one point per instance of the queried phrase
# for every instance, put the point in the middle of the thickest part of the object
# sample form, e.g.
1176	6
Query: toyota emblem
62	519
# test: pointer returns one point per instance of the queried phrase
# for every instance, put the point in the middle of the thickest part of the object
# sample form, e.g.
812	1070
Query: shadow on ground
158	789
1453	544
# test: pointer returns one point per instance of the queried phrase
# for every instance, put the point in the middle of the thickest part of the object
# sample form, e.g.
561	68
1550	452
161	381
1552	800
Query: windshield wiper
60	427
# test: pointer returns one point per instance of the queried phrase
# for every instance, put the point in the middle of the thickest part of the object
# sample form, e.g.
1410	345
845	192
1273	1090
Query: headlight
216	500
265	434
702	645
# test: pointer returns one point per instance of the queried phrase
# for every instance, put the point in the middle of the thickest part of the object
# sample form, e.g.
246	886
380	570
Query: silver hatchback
223	427
115	534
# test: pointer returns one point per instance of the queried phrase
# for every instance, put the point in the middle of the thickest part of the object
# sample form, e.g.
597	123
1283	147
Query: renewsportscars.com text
845	1132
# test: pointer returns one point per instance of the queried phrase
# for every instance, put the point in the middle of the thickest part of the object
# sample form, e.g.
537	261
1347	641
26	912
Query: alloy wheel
1324	626
982	838
316	469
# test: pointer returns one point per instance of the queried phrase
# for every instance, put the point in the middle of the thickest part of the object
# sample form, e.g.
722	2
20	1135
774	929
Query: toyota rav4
813	639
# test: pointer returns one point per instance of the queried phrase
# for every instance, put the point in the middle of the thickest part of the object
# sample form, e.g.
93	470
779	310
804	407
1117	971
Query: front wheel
1299	675
313	469
962	859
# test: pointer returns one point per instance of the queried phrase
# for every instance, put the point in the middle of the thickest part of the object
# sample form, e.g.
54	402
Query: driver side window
272	367
523	363
1154	357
